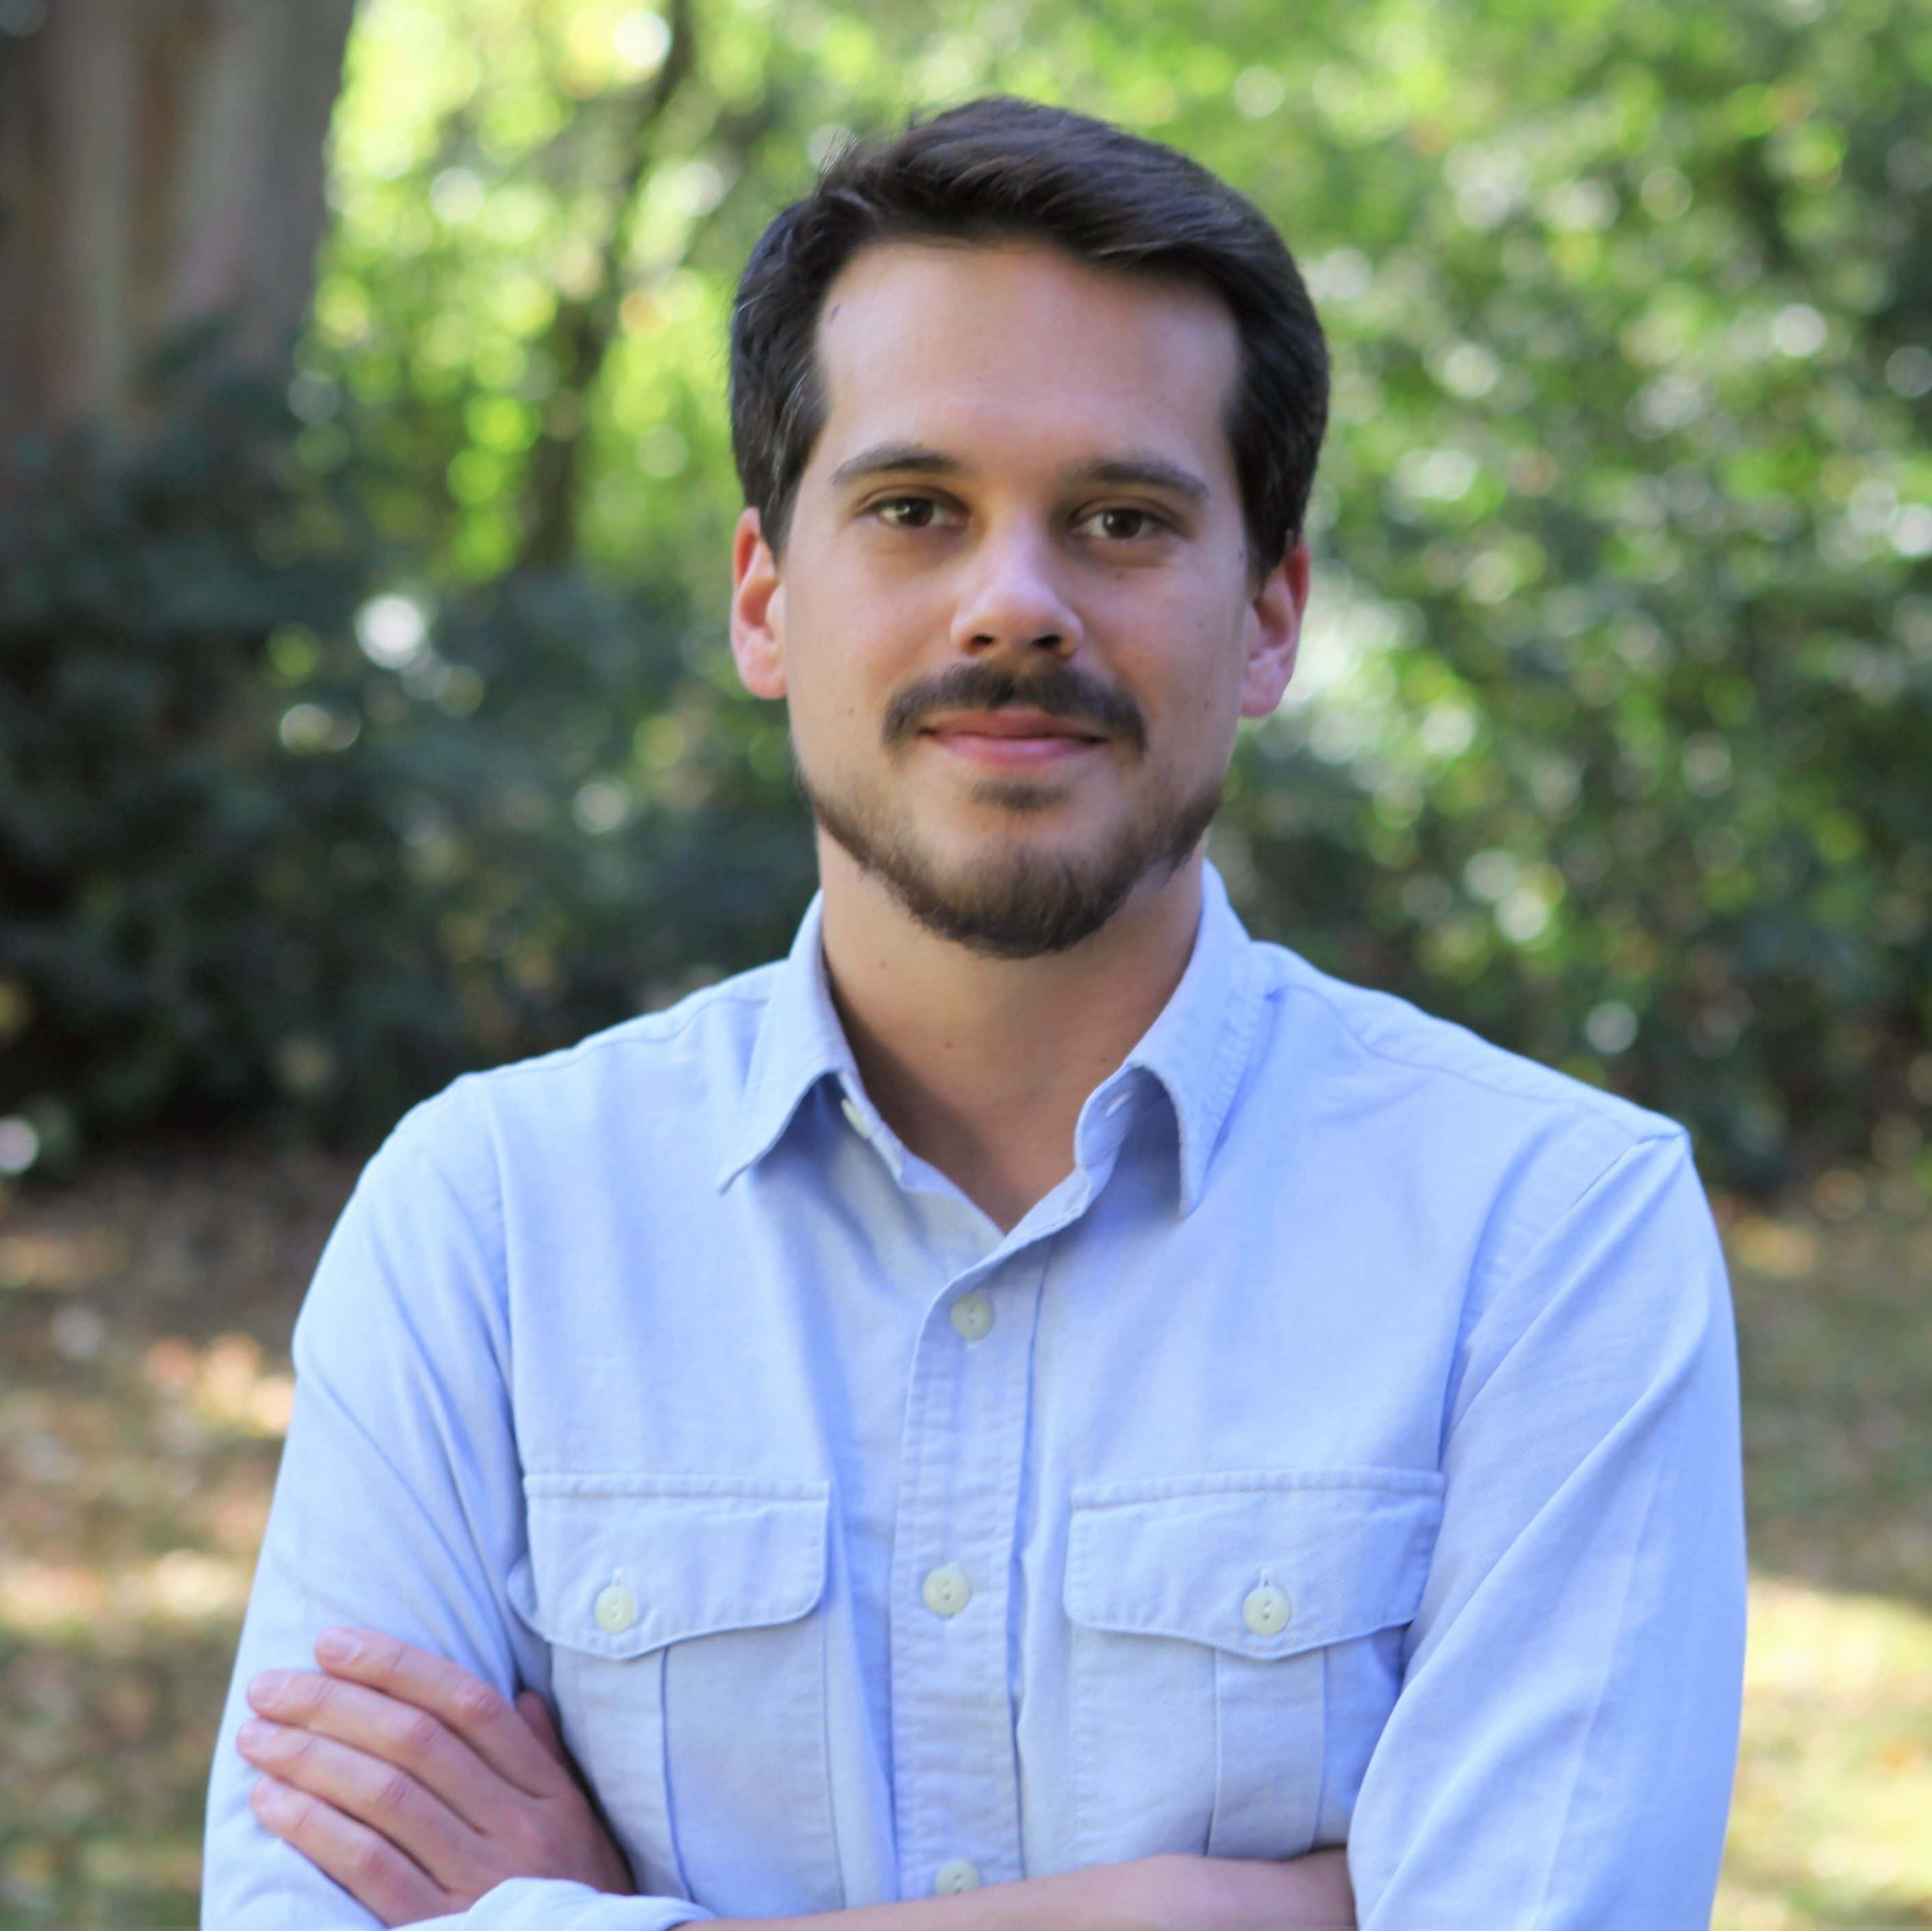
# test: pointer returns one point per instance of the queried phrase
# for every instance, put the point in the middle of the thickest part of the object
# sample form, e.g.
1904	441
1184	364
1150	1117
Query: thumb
535	1713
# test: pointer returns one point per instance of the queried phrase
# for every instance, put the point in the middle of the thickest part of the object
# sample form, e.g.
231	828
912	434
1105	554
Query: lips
1012	740
1018	725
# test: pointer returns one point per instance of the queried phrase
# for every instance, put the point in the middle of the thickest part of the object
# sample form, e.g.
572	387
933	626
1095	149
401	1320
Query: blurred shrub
1610	734
284	835
279	837
1615	731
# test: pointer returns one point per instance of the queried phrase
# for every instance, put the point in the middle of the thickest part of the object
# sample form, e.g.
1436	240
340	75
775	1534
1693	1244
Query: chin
1021	881
1017	897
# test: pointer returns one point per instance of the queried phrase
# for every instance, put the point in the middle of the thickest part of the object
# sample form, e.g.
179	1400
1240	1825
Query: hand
414	1786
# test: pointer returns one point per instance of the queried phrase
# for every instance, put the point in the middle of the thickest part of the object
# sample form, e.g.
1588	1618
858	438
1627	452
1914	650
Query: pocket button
616	1608
1266	1610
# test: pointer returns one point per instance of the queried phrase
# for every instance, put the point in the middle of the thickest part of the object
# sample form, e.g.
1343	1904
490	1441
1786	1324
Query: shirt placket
956	1792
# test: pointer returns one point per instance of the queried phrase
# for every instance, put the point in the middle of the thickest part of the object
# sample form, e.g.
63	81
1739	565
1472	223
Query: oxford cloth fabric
1346	1451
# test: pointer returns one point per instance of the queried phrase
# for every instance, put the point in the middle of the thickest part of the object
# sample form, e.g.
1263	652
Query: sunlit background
365	713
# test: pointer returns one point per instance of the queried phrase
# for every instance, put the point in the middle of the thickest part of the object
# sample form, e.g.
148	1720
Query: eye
907	512
1121	525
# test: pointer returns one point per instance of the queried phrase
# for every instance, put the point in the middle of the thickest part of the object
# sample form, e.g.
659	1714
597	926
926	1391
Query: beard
1023	902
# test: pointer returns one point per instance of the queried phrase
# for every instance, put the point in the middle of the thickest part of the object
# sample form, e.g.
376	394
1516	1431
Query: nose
1012	601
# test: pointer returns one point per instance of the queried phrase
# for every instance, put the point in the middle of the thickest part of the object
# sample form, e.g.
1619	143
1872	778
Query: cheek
1204	682
871	647
840	678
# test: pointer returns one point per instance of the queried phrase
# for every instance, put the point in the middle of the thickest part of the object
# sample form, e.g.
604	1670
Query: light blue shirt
1346	1451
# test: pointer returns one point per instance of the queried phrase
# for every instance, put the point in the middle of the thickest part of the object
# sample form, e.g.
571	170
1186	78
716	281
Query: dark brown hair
1000	169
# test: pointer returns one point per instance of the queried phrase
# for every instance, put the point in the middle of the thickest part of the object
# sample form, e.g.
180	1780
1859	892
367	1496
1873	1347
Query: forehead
1017	352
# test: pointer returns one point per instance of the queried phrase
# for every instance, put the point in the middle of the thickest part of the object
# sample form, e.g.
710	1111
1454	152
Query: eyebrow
888	458
1135	470
1144	471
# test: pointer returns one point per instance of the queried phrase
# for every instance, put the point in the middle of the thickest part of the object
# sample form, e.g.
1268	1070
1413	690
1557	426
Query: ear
1274	632
757	610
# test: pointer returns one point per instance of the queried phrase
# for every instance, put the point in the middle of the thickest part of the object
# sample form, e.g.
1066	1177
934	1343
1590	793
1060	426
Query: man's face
1015	620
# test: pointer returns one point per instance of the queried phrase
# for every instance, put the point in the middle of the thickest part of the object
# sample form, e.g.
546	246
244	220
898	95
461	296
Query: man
1036	1413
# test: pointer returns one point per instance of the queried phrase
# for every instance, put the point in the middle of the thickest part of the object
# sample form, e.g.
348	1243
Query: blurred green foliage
1610	736
275	841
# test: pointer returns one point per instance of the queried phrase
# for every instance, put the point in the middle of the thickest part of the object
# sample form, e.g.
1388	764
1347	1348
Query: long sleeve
1561	1754
1338	1303
398	1505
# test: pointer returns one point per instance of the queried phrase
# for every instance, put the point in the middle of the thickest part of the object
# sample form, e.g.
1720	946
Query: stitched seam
647	1030
1599	1105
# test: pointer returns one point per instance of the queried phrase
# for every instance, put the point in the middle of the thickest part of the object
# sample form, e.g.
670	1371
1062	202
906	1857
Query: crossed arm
418	1789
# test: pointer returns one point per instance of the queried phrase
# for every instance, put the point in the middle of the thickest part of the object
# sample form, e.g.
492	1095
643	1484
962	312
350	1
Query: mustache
1058	692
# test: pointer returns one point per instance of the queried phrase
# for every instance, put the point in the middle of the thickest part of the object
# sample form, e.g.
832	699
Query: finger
464	1703
465	1707
536	1712
365	1788
364	1862
385	1727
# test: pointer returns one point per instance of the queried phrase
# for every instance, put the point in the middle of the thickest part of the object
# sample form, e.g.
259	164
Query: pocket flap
668	1558
1265	1565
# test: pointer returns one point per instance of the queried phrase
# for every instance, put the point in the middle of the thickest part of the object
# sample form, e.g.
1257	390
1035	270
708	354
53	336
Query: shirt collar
1197	1050
800	1042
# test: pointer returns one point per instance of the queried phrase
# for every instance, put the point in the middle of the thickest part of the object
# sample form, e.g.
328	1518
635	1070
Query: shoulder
1378	1028
669	1071
1526	1188
1426	1091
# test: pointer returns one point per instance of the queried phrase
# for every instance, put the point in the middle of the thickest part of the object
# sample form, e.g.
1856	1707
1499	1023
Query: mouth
1010	739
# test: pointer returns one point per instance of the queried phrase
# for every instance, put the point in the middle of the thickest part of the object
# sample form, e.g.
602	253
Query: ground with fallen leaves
145	1315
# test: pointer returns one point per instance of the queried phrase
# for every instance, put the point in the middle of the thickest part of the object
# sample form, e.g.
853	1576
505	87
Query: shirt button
947	1591
1266	1610
955	1877
616	1608
855	1119
973	1316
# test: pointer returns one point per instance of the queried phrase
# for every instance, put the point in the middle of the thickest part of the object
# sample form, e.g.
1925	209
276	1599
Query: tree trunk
585	326
160	165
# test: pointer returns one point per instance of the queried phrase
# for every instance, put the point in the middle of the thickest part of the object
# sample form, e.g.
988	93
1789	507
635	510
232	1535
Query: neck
981	1065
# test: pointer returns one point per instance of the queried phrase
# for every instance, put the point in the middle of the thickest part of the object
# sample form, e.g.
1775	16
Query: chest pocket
687	1641
1215	1621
